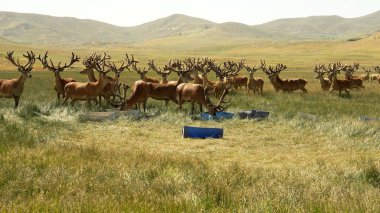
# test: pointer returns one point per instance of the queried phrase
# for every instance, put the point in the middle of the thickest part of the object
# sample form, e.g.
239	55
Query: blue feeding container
252	114
201	132
218	116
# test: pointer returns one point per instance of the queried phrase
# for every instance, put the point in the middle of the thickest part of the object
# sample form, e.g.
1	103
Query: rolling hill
43	29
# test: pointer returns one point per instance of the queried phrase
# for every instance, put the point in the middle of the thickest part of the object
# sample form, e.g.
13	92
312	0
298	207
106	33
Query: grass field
289	162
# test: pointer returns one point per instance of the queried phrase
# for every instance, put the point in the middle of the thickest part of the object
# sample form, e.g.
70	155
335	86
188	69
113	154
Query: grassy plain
289	162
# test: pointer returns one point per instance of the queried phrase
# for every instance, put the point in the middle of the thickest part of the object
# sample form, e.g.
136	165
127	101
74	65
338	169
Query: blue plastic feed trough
201	132
218	116
252	114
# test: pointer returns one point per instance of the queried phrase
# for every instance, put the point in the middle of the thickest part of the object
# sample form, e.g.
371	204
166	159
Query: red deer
60	83
75	91
338	85
320	70
196	93
224	74
286	85
142	73
356	81
13	88
163	73
375	77
255	84
143	90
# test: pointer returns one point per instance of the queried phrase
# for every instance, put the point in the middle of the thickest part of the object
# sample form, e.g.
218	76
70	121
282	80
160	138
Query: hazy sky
130	13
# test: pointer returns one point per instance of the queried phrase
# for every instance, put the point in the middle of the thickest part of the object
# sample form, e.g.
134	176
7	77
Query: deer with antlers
286	85
143	90
238	81
142	72
75	91
163	73
13	88
320	70
60	82
224	72
356	81
255	84
338	85
367	70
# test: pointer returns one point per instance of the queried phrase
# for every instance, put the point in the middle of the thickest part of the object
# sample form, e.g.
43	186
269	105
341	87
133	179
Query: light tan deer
376	76
60	83
255	84
365	77
13	88
320	70
75	91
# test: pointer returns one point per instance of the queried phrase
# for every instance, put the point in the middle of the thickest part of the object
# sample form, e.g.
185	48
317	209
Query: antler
117	94
252	69
45	63
158	70
100	64
30	56
279	68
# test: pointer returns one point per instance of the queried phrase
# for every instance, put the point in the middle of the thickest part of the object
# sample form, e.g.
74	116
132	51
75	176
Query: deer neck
251	75
58	82
91	75
20	84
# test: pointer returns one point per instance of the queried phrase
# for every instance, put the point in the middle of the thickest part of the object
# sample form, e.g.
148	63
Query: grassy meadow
313	153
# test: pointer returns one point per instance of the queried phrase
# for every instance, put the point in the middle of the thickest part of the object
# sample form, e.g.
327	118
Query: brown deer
255	84
13	88
75	91
320	70
356	81
270	76
286	85
196	93
142	73
143	90
338	85
224	72
163	73
367	70
60	83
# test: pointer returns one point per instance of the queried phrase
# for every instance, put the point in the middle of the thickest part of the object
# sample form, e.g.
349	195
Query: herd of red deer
179	91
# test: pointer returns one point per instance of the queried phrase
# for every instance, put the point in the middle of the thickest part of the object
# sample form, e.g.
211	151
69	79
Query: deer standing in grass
13	88
286	85
224	72
320	70
365	77
255	84
163	73
376	76
143	90
60	82
75	91
338	85
349	75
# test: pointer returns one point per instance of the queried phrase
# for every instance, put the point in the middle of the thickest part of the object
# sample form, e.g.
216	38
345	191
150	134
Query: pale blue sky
130	13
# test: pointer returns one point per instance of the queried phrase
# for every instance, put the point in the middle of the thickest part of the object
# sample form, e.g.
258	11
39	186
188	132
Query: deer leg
192	108
200	107
72	102
59	96
304	90
17	99
167	102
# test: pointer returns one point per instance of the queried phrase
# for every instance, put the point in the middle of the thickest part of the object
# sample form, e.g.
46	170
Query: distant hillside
42	29
323	27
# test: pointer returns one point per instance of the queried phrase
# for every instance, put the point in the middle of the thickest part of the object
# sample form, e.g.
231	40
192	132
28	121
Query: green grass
313	153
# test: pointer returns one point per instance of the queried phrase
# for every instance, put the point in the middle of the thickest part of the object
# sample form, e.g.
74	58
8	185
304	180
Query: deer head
164	73
367	69
319	70
182	68
26	68
57	69
121	68
214	108
123	98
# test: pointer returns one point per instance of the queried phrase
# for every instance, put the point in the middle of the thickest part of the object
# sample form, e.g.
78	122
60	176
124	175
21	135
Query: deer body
60	84
325	83
239	81
255	84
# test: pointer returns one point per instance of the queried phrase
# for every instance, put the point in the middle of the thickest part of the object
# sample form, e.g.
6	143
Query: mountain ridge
46	29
